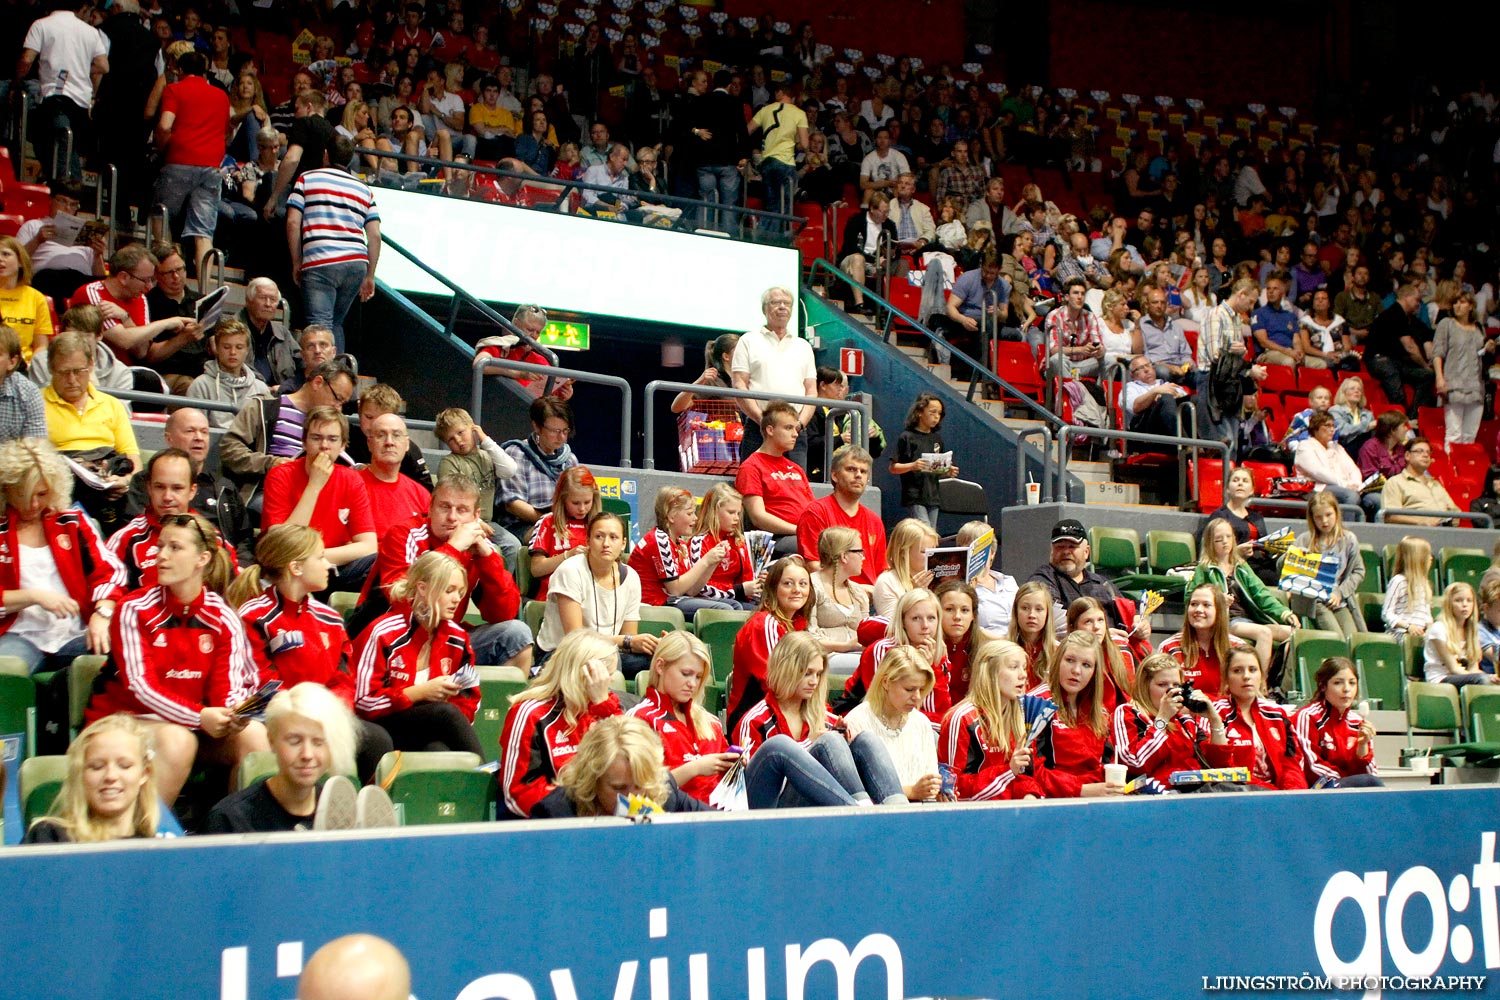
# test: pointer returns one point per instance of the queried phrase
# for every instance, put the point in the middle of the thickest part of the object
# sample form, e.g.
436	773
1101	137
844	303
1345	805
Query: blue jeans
832	772
1369	502
48	123
35	659
329	292
499	642
191	193
690	606
781	184
722	185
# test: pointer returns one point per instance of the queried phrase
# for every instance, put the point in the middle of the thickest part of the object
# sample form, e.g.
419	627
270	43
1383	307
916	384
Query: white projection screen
591	267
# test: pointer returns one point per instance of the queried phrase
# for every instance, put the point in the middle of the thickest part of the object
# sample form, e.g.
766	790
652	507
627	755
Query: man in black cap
1068	577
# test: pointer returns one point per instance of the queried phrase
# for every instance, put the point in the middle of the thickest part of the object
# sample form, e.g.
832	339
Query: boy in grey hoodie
227	378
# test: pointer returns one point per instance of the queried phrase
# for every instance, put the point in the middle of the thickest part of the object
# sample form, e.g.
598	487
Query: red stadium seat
1430	424
7	168
10	224
1016	363
1309	379
1263	473
30	201
1279	379
1210	473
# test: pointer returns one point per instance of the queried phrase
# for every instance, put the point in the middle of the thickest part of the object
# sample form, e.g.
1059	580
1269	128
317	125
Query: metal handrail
1480	520
1068	431
494	366
696	204
461	295
859	432
165	234
978	368
1351	512
114	204
217	256
170	400
1045	489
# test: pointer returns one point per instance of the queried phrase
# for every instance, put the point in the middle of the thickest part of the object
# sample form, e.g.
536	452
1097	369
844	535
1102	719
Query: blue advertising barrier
1158	898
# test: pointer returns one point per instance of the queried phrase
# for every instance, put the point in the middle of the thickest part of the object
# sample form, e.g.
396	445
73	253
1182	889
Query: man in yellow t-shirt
494	126
785	131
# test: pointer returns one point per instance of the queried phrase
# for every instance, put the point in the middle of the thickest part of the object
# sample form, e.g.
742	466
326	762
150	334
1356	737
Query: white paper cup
1033	494
1114	774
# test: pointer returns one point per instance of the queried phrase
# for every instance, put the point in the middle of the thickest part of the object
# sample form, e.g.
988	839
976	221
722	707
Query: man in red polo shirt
321	494
192	131
121	298
842	509
394	497
774	487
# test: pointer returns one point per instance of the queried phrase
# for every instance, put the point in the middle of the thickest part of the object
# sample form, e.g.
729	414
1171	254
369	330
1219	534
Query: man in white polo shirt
774	360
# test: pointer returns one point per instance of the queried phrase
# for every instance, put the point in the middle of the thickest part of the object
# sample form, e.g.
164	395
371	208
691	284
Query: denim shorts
198	189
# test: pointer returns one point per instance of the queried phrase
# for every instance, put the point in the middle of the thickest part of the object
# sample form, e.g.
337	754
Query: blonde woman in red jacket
1157	733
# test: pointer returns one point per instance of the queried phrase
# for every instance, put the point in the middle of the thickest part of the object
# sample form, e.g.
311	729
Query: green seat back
433	788
1374	581
1309	648
495	694
82	673
1433	708
655	620
1378	660
18	711
707	616
1413	658
255	765
344	602
1166	549
719	638
1115	550
1369	606
40	779
1479	699
1485	726
532	615
1465	568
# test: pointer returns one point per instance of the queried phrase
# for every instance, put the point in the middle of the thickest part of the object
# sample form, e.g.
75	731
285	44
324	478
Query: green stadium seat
1369	606
1378	660
707	616
642	683
655	620
497	685
344	602
18	703
1115	551
1306	652
255	765
81	675
532	615
1433	708
40	779
1414	661
1168	549
1374	581
431	788
1479	699
1463	566
718	636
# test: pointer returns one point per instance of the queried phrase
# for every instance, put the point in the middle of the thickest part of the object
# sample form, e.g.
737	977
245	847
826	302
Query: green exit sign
566	336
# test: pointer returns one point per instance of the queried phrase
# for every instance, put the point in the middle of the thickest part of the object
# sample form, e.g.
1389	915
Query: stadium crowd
200	583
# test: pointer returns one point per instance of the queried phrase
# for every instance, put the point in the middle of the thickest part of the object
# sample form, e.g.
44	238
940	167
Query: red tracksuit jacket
1207	674
136	545
1285	756
387	664
1329	739
88	569
170	660
981	765
1068	757
536	742
765	720
299	641
680	743
727	583
656	561
490	583
1157	752
752	650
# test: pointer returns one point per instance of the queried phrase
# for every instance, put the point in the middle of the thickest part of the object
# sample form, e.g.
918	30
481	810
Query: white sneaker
374	809
336	805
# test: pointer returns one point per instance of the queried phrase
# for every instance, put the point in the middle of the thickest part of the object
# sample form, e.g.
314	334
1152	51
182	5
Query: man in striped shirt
334	232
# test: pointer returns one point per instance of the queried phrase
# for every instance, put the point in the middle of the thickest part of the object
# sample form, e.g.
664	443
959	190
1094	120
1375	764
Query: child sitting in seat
227	378
474	455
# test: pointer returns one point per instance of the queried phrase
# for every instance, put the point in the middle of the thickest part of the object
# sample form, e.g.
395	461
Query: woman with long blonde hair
1032	629
621	756
906	559
795	750
1327	536
1407	608
985	737
889	712
692	739
720	519
1451	652
1070	749
109	791
548	720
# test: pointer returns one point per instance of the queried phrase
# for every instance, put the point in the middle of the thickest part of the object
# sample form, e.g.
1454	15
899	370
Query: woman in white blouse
889	712
1325	462
596	591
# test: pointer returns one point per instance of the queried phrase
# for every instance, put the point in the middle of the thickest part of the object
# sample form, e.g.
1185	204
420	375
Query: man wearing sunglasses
121	298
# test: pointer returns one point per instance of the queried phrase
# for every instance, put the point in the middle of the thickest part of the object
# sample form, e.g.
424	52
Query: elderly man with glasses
128	329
